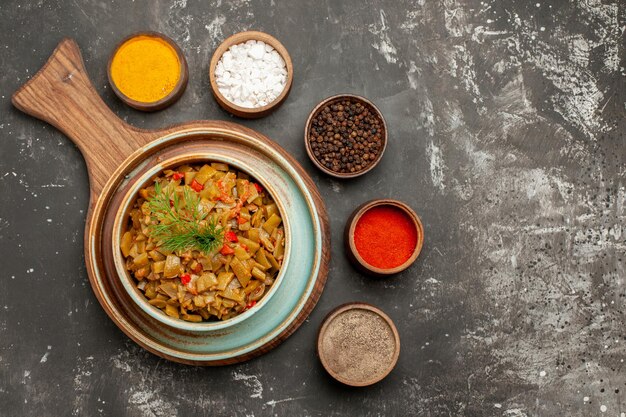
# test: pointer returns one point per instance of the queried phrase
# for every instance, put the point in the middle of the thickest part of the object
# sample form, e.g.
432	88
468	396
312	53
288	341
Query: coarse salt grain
251	74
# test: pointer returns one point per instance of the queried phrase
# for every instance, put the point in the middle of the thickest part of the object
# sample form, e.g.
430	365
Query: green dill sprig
179	225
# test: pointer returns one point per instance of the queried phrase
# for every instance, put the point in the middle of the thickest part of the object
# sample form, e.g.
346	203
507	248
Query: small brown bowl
350	246
330	101
246	112
166	101
360	350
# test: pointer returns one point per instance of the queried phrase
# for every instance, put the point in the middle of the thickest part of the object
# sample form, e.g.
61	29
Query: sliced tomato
227	250
185	279
197	187
231	236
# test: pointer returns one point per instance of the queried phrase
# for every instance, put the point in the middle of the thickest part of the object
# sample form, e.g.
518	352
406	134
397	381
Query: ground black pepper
346	136
358	346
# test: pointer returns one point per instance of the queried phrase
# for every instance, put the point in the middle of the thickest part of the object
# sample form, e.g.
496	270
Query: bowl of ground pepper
148	71
358	344
383	237
345	136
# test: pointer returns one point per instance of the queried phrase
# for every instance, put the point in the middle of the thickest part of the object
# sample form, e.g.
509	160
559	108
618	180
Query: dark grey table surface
506	134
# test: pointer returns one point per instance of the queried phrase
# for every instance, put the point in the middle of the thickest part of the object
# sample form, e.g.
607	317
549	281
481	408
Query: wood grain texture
244	112
62	95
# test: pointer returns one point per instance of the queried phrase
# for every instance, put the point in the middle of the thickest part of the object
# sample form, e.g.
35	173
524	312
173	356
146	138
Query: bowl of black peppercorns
345	136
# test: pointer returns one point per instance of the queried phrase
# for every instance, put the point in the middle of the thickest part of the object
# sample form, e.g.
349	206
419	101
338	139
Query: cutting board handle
62	95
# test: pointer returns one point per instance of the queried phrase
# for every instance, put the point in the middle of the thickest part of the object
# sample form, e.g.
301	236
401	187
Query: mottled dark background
506	134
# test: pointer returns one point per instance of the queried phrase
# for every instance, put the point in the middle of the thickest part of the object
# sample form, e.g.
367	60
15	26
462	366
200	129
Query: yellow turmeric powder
145	68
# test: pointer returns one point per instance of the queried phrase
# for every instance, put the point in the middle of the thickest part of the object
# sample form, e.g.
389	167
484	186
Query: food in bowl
203	242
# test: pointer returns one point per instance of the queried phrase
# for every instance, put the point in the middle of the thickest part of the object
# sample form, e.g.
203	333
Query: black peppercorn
345	136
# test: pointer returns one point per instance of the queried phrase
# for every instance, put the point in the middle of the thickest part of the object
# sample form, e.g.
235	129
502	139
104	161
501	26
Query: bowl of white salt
251	74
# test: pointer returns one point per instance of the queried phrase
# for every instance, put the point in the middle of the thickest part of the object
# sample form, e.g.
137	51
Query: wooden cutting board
116	153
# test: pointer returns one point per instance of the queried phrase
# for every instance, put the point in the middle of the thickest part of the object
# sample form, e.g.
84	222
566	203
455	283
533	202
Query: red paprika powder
385	236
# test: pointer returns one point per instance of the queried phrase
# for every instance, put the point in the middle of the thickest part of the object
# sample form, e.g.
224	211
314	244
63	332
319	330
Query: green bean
191	285
206	281
171	311
223	279
258	274
252	245
271	223
262	259
242	273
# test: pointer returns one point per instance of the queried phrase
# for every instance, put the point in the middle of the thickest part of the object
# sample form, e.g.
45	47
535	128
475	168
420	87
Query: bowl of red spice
345	136
383	237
